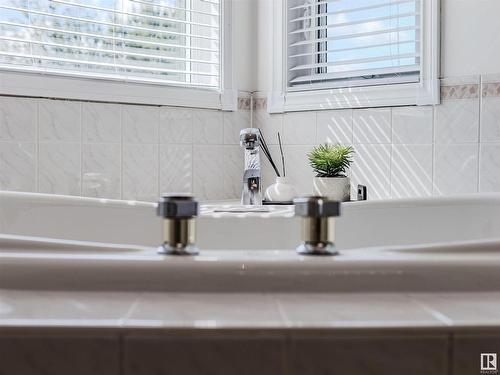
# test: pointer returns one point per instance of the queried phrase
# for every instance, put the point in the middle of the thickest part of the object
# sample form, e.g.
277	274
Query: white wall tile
18	119
412	125
140	124
101	123
140	172
176	125
59	168
455	169
59	120
234	161
176	169
457	121
233	123
208	127
372	126
299	128
18	166
298	168
208	172
411	171
490	119
270	125
101	170
489	168
372	168
334	127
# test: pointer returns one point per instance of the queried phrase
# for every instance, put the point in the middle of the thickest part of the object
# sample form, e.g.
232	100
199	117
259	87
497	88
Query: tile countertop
446	312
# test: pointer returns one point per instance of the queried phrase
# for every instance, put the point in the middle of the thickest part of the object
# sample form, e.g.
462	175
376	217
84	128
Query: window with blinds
346	43
169	42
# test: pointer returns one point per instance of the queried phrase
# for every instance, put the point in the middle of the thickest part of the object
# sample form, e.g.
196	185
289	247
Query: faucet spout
252	189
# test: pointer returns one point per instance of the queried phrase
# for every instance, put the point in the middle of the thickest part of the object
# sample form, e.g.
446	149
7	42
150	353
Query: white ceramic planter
334	188
281	191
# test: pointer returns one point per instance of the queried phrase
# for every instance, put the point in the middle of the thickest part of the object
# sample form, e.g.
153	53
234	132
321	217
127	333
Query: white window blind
170	42
345	43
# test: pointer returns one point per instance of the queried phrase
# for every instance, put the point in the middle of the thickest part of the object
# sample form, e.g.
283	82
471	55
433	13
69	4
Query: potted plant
330	164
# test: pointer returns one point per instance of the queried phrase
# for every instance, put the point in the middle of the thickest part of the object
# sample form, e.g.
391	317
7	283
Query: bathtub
435	244
362	224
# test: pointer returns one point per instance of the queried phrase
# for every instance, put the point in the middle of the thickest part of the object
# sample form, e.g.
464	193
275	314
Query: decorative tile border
468	91
491	89
448	92
258	104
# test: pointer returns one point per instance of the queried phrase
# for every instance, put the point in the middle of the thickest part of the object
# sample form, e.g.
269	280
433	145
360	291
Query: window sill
77	88
358	97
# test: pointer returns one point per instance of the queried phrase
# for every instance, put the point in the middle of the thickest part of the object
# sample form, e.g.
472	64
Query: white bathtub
362	224
435	244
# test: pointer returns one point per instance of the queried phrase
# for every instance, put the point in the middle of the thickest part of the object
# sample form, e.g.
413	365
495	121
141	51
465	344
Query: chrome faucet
252	189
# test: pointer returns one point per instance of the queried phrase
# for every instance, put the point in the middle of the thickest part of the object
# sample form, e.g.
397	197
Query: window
150	42
355	53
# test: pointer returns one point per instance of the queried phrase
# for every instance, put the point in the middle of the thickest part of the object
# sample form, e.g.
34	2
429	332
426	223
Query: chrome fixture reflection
252	189
178	213
317	225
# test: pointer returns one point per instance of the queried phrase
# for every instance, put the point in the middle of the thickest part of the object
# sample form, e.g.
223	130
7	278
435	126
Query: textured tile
59	168
335	127
388	355
467	350
270	125
176	125
101	123
59	355
461	308
18	166
455	169
208	127
298	168
59	120
176	169
140	172
18	119
372	126
412	125
490	120
208	173
101	170
234	162
233	123
203	356
411	171
205	310
64	309
140	124
299	128
372	168
457	121
489	168
316	310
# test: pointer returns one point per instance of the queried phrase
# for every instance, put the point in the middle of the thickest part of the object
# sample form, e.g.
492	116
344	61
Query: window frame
22	82
424	92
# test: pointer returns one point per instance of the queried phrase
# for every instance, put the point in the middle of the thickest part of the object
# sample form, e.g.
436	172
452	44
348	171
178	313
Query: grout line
81	147
433	157
158	163
451	353
478	184
391	153
37	171
121	151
